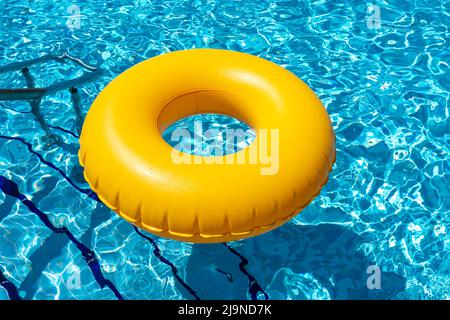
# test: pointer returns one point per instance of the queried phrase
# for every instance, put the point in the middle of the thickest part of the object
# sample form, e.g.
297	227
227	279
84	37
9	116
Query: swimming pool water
209	134
383	74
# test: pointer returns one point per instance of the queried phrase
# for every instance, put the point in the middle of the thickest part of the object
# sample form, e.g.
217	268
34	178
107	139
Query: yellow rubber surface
131	168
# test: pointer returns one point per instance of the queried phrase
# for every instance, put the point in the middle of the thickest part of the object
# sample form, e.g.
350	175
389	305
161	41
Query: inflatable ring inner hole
208	103
209	134
203	101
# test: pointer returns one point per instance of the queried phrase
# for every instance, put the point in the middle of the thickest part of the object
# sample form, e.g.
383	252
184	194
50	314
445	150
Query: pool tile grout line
91	194
10	188
10	288
76	136
158	254
253	286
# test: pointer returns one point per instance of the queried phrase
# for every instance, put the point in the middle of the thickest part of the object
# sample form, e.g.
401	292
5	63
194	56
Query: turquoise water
384	80
209	134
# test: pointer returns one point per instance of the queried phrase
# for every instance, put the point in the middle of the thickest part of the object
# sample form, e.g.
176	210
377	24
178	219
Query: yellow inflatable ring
132	169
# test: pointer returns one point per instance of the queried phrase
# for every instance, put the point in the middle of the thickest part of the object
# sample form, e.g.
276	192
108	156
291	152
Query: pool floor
380	70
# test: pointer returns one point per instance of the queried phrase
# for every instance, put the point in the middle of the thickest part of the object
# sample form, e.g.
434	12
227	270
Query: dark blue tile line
66	131
226	274
9	287
93	195
10	188
254	286
14	110
87	192
158	254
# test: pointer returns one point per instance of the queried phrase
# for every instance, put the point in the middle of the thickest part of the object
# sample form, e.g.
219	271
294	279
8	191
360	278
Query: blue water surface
382	71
